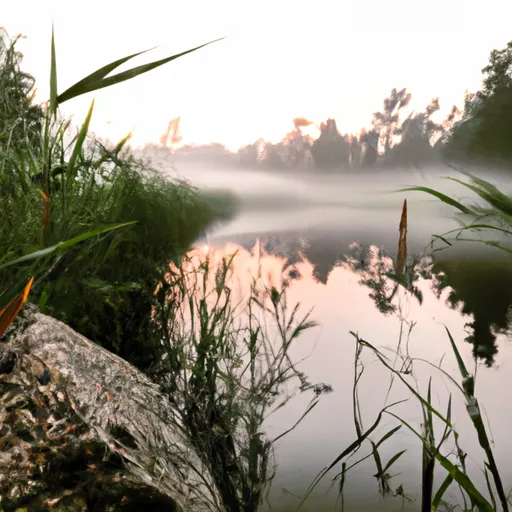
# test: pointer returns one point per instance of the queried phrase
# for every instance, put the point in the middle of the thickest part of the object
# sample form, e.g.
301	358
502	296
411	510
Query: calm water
312	222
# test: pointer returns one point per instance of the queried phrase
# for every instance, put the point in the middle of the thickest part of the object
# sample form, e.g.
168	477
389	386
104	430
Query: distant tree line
390	141
480	130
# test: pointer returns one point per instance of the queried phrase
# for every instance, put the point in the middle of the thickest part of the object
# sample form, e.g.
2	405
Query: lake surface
311	223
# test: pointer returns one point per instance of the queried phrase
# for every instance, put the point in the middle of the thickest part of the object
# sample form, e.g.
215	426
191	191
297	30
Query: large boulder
82	429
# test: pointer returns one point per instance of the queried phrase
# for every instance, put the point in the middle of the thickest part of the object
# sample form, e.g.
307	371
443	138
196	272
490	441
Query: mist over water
362	206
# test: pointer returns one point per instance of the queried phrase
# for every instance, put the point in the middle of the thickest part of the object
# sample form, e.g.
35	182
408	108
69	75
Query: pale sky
281	59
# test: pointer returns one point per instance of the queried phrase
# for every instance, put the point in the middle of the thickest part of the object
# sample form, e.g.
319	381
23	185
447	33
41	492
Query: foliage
20	120
331	149
481	132
103	288
227	368
386	123
484	132
483	289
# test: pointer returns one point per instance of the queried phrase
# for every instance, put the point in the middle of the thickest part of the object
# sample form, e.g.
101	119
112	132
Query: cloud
301	122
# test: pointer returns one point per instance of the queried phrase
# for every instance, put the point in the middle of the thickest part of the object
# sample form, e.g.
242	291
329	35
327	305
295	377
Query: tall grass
227	367
53	191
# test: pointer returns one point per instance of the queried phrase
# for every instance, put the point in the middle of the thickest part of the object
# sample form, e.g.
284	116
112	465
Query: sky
280	60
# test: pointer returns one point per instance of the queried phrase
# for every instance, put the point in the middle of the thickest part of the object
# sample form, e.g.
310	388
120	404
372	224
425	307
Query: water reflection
484	291
478	286
328	279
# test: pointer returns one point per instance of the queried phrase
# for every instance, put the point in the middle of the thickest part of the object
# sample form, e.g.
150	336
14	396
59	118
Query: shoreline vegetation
99	240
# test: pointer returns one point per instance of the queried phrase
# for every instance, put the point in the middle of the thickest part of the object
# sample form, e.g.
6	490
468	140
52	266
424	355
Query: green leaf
356	444
85	84
393	460
441	196
65	245
77	149
441	491
462	367
382	359
53	78
98	79
388	435
462	479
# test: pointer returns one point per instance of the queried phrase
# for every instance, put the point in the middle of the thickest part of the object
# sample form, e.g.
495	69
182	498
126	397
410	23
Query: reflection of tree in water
377	272
321	253
484	289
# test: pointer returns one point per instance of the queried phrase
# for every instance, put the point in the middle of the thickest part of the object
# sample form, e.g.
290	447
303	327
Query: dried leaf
402	243
9	313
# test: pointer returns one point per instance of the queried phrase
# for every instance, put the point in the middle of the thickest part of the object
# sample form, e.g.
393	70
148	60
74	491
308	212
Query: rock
82	429
7	361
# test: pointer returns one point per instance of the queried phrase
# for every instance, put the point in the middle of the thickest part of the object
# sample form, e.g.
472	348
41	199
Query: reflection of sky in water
342	305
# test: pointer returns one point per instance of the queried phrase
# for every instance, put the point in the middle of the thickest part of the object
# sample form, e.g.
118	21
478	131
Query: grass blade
393	460
85	84
462	479
462	367
468	383
388	435
53	78
443	197
441	491
64	245
345	452
429	460
489	488
98	79
382	359
77	149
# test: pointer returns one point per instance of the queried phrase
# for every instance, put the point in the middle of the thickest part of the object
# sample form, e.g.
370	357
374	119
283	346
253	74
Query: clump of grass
227	367
53	191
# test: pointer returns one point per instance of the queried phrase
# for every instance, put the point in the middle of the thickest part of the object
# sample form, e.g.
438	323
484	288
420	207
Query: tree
355	152
249	155
386	123
296	147
331	149
498	73
485	129
483	291
270	157
370	144
417	132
